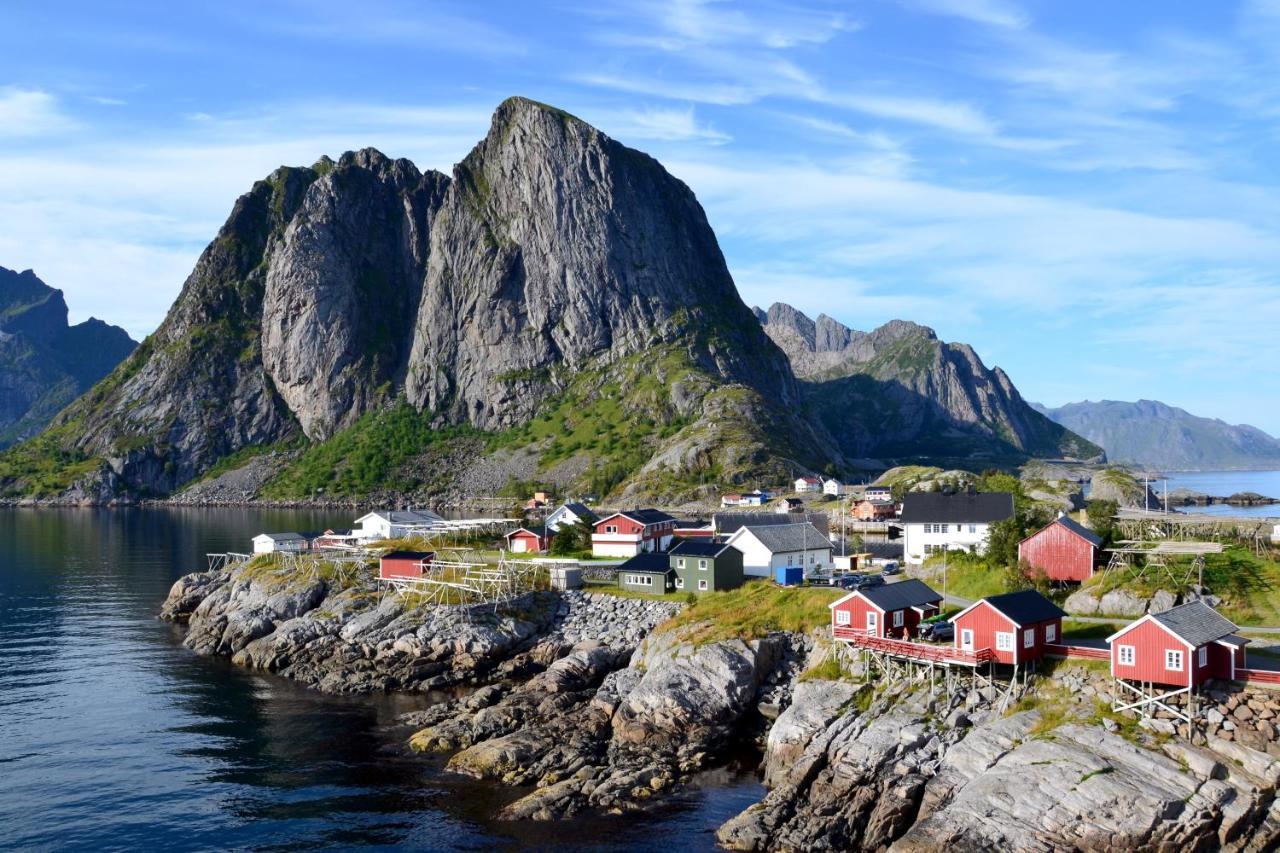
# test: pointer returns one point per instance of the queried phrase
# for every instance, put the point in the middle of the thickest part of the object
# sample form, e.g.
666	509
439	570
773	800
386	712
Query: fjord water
113	736
1224	484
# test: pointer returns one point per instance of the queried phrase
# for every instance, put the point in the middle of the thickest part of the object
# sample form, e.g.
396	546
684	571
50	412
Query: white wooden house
768	547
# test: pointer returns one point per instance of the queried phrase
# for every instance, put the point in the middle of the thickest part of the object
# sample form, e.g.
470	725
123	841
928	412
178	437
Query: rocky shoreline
605	704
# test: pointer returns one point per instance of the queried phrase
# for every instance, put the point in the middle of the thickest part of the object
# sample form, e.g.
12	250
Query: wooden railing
915	651
1259	676
1070	650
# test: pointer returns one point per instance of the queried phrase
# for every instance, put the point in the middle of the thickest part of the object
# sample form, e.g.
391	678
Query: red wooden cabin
1015	626
874	510
1182	647
625	534
528	540
404	564
1064	550
894	610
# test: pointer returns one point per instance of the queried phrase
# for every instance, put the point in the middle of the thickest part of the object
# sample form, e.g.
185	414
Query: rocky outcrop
331	291
45	363
899	392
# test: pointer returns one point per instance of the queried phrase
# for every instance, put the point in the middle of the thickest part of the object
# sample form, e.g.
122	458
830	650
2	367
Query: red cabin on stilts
404	564
1016	626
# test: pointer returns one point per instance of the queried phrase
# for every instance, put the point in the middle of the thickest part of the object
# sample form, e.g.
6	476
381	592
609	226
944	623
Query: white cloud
993	13
31	113
667	125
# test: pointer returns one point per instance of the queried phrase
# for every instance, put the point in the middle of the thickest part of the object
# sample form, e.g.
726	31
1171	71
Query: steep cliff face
1152	433
898	392
45	363
552	252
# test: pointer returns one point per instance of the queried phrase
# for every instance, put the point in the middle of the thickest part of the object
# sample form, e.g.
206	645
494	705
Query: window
679	583
1004	641
1028	638
871	620
898	618
1173	660
1051	633
702	584
1126	655
648	580
966	638
1204	656
842	617
702	565
680	562
611	528
973	528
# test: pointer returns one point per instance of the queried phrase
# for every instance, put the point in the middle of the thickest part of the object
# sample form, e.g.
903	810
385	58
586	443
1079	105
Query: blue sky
1084	191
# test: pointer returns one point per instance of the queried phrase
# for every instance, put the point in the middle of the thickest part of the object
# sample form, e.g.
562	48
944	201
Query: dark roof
283	537
883	550
1025	606
536	529
645	516
696	548
1196	622
1080	530
729	522
979	507
783	538
581	511
648	562
691	524
901	595
408	555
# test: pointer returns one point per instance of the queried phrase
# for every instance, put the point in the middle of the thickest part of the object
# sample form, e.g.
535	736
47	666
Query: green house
647	573
706	566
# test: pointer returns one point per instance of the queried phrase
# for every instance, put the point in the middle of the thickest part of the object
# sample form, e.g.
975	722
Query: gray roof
729	522
783	538
284	537
580	510
974	508
409	516
901	595
695	548
1196	622
1080	530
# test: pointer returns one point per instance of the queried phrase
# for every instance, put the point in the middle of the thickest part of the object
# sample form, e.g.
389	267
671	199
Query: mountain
898	393
45	363
364	314
1162	436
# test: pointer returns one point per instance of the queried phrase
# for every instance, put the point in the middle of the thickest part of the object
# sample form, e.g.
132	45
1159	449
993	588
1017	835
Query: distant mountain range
1157	435
898	394
44	362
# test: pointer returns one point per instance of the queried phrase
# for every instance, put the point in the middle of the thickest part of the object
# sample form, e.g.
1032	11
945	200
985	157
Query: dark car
940	631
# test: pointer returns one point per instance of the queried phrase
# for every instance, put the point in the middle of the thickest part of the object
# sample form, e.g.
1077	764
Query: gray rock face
45	363
938	399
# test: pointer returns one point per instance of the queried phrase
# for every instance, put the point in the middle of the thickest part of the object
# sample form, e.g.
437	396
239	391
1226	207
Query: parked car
858	581
891	568
941	631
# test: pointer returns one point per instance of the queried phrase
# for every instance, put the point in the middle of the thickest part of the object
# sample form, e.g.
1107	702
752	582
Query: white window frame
702	565
1126	655
1051	633
1204	656
680	562
1004	641
679	583
1172	657
966	639
843	617
702	584
873	621
1028	638
611	528
899	618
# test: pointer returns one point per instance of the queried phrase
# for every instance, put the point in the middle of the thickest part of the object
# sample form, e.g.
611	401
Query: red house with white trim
404	564
893	610
1064	550
1016	626
632	531
1181	647
528	540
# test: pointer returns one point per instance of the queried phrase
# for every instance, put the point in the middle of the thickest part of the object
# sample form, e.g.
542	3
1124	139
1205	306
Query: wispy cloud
31	113
995	13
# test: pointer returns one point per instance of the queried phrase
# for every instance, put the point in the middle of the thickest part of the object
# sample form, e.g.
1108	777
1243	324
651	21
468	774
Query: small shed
647	572
528	540
703	566
1181	647
789	575
892	610
270	543
404	564
1016	626
1064	550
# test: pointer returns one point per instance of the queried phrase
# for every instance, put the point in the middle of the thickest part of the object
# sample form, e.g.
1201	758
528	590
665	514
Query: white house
808	484
787	505
270	543
756	498
877	493
567	514
832	486
934	522
768	547
394	524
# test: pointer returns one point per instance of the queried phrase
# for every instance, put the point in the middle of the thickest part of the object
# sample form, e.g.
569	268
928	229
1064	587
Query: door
966	639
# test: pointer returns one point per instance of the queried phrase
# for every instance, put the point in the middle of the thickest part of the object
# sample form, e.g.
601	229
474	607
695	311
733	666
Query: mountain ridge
1149	432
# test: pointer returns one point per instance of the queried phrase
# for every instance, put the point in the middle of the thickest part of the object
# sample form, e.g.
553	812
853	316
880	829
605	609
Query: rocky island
593	702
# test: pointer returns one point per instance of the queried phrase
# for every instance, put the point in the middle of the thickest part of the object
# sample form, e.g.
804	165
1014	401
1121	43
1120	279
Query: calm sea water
112	736
1223	484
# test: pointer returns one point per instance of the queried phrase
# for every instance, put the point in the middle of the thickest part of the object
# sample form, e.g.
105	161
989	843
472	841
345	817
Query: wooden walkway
912	651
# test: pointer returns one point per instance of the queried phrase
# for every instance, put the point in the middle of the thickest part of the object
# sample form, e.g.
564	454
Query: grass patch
968	576
754	610
1073	629
828	670
1101	771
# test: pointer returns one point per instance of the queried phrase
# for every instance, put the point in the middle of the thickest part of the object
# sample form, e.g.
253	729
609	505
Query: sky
1086	192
